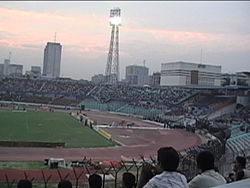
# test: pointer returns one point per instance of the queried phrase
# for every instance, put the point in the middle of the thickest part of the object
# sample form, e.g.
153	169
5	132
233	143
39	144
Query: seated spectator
240	168
209	177
24	184
147	172
128	180
168	160
64	184
95	181
230	178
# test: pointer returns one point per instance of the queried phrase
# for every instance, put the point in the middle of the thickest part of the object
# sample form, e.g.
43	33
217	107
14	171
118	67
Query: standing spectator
128	180
24	184
168	160
95	181
240	168
209	177
64	184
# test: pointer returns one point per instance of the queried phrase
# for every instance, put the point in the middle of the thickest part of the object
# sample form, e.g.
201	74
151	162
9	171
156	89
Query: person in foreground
240	168
168	161
24	184
128	180
95	181
208	177
64	184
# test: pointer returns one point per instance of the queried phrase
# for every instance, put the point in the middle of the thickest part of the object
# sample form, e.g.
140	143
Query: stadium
78	127
187	125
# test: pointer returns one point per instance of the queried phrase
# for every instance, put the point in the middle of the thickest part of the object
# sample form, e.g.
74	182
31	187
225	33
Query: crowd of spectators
165	173
43	86
145	97
17	89
164	96
57	92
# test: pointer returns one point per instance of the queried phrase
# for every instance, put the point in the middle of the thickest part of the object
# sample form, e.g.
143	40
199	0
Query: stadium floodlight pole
112	66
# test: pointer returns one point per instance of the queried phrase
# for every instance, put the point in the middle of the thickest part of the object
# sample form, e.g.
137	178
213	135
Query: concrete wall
243	100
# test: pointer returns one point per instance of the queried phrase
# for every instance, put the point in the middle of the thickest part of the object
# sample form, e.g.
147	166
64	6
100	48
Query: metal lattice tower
112	67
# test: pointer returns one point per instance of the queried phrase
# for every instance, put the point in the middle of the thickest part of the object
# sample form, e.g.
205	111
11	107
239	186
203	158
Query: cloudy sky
157	32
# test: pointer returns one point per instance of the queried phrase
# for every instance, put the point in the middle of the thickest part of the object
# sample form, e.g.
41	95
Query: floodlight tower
112	67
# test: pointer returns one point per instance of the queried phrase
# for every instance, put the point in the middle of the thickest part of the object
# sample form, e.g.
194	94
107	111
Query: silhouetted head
64	184
168	158
128	180
205	160
239	163
24	184
95	181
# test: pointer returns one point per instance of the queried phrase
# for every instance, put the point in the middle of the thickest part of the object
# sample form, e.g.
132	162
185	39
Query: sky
155	31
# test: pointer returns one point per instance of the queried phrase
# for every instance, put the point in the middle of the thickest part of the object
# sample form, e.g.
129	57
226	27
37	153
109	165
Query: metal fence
111	173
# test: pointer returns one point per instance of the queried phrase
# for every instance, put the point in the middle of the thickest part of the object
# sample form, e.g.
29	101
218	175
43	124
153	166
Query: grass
4	185
48	127
22	165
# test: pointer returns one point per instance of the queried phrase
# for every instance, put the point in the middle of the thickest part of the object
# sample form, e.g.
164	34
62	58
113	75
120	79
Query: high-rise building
36	70
137	75
15	70
190	74
112	67
1	70
236	79
34	73
154	79
52	60
6	67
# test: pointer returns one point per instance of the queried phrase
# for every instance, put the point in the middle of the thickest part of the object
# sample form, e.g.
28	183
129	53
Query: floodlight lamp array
115	17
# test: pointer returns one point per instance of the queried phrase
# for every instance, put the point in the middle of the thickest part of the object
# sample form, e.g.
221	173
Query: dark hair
24	184
95	181
205	160
168	158
64	184
241	161
128	180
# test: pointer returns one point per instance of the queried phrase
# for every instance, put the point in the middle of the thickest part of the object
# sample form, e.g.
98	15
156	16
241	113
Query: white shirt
246	173
167	180
208	178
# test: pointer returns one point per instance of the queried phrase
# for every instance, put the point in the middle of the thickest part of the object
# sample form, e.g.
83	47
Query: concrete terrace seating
240	143
235	130
121	107
72	87
134	94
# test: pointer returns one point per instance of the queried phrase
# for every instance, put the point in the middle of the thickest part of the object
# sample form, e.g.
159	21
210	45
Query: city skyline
173	31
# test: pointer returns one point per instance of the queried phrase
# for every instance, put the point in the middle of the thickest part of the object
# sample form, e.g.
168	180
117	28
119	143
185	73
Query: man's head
64	184
205	160
168	158
95	181
128	180
239	163
24	184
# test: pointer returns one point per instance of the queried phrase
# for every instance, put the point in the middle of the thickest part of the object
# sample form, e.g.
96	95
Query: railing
111	171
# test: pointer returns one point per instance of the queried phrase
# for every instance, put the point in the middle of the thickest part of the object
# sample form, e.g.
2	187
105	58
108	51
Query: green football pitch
48	127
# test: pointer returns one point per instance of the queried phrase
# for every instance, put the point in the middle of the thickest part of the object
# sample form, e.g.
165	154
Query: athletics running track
143	139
